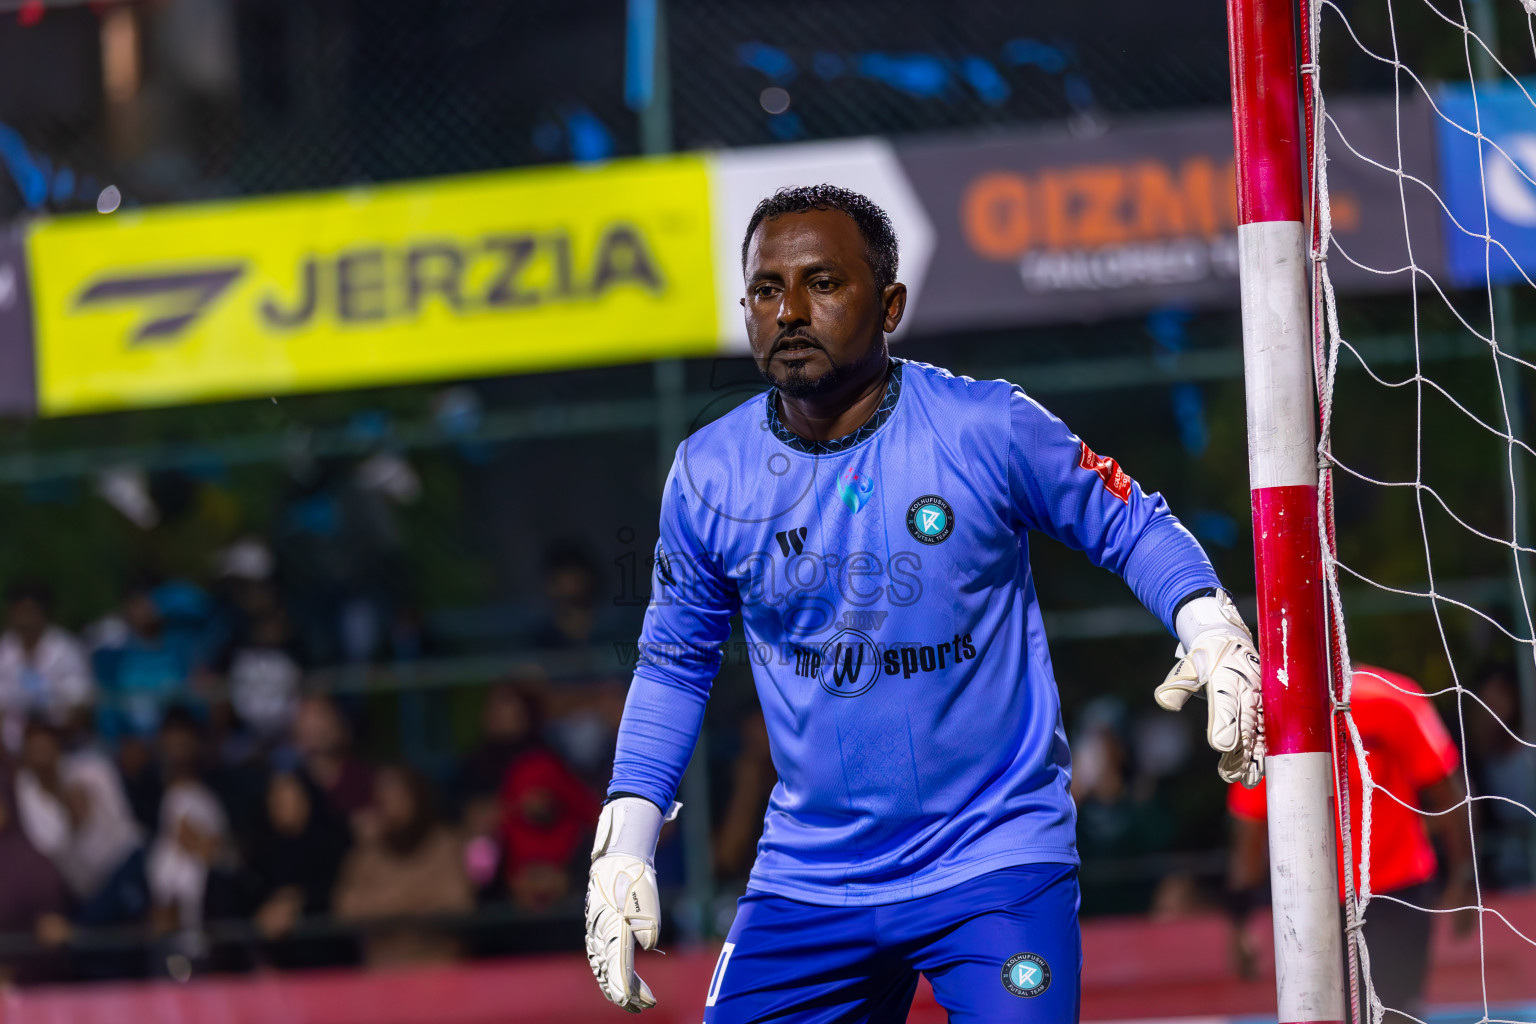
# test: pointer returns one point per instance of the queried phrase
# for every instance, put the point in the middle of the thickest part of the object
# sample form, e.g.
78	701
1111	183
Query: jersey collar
839	444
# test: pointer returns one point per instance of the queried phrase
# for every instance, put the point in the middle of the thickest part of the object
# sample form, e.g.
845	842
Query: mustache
797	335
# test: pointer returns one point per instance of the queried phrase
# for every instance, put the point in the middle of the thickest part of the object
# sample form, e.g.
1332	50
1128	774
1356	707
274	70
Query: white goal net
1426	469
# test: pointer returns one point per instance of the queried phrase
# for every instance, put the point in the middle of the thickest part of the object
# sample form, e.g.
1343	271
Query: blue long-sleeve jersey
884	586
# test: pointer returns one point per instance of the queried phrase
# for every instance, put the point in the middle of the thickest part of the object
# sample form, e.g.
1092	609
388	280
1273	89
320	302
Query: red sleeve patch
1115	480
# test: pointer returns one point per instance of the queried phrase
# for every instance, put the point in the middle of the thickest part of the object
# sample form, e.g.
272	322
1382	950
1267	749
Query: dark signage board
18	381
1055	227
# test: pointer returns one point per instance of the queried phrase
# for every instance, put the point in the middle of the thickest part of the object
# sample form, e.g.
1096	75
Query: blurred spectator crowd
175	797
180	791
1150	825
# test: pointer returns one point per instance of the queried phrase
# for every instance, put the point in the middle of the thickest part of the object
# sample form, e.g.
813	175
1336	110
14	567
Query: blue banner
1494	196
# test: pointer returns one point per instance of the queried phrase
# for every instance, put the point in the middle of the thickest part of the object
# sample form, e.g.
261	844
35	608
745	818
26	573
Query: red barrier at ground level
1134	969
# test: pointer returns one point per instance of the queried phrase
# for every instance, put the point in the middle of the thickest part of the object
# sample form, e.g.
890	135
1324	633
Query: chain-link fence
196	98
186	99
862	67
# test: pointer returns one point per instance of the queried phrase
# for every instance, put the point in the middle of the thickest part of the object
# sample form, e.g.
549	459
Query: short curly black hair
874	225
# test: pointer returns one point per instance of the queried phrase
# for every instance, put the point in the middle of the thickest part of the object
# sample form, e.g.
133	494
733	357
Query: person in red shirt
1411	757
546	812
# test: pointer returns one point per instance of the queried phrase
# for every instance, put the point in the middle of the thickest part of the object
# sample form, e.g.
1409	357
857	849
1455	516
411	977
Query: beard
796	383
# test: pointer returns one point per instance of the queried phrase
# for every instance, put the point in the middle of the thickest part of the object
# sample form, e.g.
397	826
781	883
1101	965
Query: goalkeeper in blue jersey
868	519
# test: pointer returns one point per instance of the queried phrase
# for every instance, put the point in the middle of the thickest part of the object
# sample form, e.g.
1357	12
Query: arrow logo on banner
179	298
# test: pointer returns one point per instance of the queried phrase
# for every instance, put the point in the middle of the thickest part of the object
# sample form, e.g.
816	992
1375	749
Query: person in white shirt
74	810
264	678
193	830
43	669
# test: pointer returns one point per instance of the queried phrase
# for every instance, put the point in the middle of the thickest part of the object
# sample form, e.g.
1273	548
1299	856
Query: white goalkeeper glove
1218	660
623	907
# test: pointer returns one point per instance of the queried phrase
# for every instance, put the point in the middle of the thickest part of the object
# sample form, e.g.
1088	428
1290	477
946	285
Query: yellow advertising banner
497	273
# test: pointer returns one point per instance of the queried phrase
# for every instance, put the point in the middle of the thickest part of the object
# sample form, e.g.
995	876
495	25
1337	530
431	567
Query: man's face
570	586
28	618
814	314
287	805
142	613
393	799
178	748
318	729
40	752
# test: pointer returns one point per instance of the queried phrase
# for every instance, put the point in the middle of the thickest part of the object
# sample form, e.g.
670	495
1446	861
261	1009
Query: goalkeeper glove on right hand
1218	660
623	907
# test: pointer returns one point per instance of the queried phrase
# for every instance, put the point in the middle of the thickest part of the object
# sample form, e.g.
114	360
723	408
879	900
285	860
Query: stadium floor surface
1172	972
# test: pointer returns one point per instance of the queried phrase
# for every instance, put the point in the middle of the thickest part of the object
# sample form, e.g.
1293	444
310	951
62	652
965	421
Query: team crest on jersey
1026	975
930	520
1115	480
855	487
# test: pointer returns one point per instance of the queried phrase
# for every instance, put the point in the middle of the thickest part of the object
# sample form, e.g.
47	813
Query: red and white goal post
1271	136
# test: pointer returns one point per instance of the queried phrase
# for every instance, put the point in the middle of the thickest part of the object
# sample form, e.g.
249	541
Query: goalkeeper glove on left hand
1218	660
